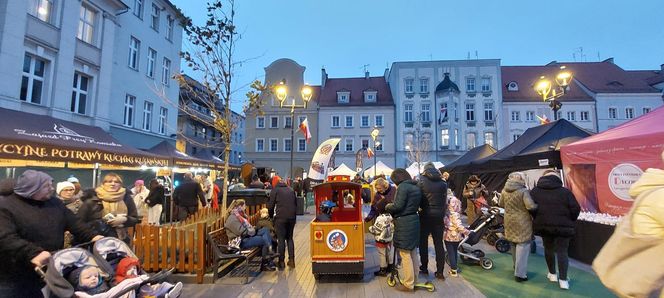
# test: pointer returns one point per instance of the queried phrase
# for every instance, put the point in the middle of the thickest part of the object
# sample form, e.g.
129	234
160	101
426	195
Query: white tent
381	168
413	168
342	170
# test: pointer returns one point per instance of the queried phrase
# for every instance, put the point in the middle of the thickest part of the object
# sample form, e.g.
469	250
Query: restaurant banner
321	160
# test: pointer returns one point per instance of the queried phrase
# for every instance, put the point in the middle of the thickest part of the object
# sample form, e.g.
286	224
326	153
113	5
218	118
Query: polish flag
370	153
304	128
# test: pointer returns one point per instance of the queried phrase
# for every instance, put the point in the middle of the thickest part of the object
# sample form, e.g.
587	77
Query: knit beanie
30	182
73	180
63	185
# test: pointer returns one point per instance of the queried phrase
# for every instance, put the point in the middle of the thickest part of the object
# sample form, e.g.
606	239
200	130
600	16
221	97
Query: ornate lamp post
551	93
281	91
374	135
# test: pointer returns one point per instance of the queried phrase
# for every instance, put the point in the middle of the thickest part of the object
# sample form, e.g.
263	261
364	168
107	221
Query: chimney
323	77
366	74
386	74
661	67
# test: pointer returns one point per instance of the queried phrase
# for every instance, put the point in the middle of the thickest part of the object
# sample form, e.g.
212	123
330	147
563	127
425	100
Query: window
629	113
260	122
530	116
349	121
152	57
166	72
154	23
408	113
488	138
370	96
32	82
349	145
585	116
335	121
364	121
274	145
571	116
486	84
163	120
470	84
287	145
515	136
129	103
79	96
365	143
409	85
378	120
134	48
488	111
646	110
343	97
456	137
260	145
41	9
274	122
560	114
336	148
170	23
516	116
470	112
288	121
86	24
138	8
301	119
379	147
301	145
426	113
147	116
445	137
470	140
613	113
424	85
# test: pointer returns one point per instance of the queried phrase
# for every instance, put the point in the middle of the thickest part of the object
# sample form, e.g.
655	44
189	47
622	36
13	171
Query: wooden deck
299	282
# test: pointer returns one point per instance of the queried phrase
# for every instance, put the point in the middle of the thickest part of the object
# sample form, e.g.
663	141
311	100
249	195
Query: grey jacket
235	228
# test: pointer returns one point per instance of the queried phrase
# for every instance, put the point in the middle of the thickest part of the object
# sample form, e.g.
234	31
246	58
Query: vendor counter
589	239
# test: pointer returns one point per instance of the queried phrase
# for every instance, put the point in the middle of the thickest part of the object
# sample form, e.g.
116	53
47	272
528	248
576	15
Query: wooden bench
224	253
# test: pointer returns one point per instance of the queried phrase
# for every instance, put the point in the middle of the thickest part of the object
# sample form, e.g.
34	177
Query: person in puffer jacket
383	231
406	225
455	231
432	214
555	221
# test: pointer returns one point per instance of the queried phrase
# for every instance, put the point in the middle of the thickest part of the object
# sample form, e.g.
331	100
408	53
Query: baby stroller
495	234
478	229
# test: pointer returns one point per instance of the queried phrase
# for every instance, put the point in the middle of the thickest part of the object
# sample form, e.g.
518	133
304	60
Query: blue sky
345	35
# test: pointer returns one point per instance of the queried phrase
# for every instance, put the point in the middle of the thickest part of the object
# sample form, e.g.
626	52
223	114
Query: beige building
268	135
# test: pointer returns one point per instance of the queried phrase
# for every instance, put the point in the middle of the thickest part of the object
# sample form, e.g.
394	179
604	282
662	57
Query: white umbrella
381	168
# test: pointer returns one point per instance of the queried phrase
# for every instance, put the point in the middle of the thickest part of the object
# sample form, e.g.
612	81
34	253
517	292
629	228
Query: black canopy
470	156
178	158
205	154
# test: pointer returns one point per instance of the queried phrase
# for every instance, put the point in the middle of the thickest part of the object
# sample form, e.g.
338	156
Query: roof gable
356	87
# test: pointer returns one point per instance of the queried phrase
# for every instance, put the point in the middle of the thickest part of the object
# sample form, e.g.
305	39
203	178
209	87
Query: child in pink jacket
454	232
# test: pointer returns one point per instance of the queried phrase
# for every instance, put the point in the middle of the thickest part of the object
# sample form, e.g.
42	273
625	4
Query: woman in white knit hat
65	191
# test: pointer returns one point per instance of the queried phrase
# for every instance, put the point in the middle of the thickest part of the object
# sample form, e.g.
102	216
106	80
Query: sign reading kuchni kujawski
318	168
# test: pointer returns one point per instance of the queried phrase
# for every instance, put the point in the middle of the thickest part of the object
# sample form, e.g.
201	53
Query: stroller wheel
486	263
491	239
478	253
391	280
503	245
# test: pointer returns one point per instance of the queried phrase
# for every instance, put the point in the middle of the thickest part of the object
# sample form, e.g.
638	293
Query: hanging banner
321	160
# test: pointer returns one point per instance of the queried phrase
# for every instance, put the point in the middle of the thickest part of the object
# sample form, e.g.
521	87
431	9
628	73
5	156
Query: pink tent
601	168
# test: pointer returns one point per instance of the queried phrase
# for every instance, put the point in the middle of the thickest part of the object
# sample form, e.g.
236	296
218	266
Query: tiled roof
651	77
606	77
527	76
356	87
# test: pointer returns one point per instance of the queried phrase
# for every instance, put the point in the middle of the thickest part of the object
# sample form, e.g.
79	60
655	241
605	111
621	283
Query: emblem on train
337	240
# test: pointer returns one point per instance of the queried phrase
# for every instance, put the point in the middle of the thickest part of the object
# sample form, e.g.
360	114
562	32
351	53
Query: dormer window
370	96
513	86
343	96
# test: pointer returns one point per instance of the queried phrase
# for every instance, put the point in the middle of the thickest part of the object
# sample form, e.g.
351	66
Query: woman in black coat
155	201
555	221
433	207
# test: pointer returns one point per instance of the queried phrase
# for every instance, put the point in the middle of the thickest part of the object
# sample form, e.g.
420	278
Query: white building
445	108
146	55
57	58
349	109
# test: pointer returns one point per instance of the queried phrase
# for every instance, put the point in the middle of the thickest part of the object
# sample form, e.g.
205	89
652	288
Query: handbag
630	264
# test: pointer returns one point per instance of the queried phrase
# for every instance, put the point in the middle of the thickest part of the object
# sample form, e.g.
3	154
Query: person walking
518	204
32	224
282	207
455	231
155	201
472	192
555	222
432	216
384	195
406	225
139	192
237	225
187	196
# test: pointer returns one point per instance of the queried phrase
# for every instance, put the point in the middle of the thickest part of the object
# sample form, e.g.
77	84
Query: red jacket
215	196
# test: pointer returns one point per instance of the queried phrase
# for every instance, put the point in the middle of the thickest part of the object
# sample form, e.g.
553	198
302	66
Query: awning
25	136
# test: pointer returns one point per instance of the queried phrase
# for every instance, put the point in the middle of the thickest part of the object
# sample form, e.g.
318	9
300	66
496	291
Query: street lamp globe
374	133
543	87
563	78
307	93
407	147
281	91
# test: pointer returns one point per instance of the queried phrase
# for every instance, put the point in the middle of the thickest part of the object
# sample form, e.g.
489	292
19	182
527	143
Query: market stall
380	169
342	170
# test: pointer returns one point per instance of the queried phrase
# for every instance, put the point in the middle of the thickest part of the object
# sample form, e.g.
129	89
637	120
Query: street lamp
281	91
374	135
551	93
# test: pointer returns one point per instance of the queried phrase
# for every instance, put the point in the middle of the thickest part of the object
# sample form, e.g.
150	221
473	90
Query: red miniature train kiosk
337	244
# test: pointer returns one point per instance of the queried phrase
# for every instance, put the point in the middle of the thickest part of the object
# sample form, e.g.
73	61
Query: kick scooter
393	277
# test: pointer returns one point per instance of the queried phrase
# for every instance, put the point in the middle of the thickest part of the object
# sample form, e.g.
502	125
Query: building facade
267	142
146	54
445	108
350	108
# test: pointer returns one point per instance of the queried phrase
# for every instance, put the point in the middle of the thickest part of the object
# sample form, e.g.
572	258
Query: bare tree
420	145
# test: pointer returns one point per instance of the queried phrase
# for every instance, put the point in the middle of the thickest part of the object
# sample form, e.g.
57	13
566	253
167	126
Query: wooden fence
182	245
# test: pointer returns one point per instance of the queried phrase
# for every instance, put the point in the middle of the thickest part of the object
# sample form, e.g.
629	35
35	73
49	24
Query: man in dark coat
187	195
555	221
282	207
256	183
32	224
432	215
406	225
